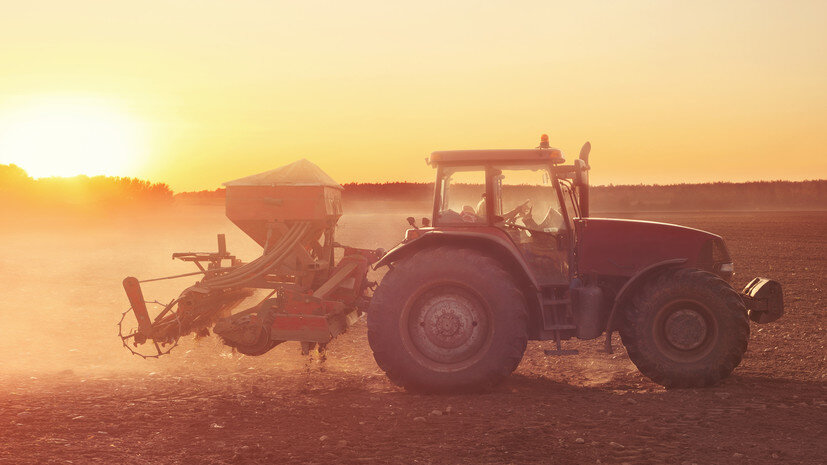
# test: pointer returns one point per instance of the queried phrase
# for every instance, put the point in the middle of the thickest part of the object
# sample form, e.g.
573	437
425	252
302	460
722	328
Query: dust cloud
61	283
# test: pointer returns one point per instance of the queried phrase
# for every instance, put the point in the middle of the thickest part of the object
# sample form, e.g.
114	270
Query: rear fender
497	247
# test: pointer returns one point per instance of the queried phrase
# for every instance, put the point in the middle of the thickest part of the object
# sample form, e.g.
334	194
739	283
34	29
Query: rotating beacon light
543	142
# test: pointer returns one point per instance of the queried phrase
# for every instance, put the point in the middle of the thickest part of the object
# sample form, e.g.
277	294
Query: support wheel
247	332
686	328
446	320
260	346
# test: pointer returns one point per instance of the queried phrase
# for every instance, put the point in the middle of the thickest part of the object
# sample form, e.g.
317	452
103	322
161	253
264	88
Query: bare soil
70	394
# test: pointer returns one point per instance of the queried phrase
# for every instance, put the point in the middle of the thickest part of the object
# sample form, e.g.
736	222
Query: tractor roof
549	155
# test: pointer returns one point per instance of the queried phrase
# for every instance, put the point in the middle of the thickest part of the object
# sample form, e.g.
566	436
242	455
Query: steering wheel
518	212
525	208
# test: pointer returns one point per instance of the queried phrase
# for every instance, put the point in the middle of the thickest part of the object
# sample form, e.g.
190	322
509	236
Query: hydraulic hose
265	261
263	264
257	264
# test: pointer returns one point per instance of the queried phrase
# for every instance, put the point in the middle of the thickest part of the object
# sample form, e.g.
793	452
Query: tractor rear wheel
447	319
686	328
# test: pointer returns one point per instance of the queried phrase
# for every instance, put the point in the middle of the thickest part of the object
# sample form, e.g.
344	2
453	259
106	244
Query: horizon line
405	182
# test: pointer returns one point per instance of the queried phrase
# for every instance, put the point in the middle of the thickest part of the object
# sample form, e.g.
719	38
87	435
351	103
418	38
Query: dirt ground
69	393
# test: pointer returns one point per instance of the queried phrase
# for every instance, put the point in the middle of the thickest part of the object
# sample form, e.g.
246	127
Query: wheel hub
448	325
448	321
686	329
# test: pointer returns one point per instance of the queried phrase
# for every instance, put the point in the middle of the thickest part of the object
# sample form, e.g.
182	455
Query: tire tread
396	283
734	316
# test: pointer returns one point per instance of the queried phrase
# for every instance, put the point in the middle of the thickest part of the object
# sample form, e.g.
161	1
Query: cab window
462	196
527	198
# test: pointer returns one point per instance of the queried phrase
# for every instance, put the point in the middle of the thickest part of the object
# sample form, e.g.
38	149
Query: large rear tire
686	328
447	320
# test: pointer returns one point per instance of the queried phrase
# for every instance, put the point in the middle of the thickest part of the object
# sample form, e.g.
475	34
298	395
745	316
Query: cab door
528	207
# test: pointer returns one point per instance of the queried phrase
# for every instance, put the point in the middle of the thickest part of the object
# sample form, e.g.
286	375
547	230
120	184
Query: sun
68	137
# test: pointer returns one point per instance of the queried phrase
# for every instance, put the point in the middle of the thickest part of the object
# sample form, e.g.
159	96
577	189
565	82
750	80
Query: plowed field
69	393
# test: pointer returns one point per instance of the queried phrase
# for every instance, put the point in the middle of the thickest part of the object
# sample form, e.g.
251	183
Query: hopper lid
299	173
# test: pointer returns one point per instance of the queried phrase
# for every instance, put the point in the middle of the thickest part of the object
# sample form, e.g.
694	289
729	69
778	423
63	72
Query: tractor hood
624	247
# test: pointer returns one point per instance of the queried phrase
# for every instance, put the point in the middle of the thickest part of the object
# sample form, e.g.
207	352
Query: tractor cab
527	195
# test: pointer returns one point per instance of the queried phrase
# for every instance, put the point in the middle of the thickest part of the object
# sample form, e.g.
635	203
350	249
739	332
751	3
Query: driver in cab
553	219
480	214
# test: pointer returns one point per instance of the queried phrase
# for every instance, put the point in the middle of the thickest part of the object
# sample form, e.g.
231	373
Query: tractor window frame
563	207
569	198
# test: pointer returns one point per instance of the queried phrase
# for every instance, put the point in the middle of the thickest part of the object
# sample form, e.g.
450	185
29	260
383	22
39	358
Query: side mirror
412	222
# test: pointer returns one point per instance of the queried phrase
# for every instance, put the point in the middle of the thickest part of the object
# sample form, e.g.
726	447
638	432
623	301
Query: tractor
511	254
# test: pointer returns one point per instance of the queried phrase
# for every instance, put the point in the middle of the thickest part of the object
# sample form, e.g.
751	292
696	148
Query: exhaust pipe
582	178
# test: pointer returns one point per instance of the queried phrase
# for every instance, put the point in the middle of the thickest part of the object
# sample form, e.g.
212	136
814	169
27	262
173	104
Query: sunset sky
194	93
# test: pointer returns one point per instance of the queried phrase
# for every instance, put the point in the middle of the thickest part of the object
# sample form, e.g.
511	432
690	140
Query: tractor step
553	327
561	352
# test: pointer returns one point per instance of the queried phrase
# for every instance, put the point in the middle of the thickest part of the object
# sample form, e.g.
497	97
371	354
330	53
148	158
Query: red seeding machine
291	212
510	254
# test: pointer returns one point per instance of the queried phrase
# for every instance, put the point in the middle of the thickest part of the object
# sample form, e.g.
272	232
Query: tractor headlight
714	257
726	270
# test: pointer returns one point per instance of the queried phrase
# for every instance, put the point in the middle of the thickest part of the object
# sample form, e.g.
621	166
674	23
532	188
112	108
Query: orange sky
665	91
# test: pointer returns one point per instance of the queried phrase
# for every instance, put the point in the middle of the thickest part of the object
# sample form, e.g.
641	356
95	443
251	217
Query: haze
666	92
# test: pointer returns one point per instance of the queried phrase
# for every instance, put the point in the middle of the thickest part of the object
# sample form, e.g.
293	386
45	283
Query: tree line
19	190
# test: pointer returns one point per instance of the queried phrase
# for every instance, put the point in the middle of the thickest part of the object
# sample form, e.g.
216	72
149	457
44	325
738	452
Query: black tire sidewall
475	273
725	350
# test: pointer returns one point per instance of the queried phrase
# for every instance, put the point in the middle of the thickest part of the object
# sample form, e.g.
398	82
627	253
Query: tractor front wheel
686	328
447	319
